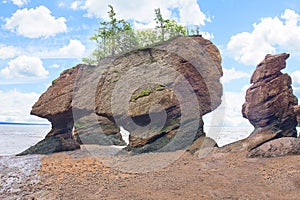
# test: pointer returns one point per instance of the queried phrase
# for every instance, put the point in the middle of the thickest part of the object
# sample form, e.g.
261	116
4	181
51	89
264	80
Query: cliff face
151	93
297	111
270	100
181	76
55	105
158	94
270	109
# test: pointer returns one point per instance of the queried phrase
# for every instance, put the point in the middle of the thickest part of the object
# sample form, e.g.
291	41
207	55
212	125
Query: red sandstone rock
297	111
55	105
278	147
270	100
82	97
194	58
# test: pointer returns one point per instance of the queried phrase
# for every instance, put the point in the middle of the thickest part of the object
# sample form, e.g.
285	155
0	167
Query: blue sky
39	39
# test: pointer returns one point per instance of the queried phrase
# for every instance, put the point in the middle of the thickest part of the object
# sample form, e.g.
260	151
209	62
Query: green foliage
146	92
54	81
160	88
143	93
147	38
168	28
160	23
80	125
194	31
116	36
113	37
174	29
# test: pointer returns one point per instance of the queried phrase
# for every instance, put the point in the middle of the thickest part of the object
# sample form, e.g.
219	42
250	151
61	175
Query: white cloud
61	4
233	101
55	66
282	32
190	13
207	35
35	22
20	2
245	88
229	113
75	49
76	5
8	52
24	67
296	83
143	10
296	91
296	78
141	26
15	106
233	74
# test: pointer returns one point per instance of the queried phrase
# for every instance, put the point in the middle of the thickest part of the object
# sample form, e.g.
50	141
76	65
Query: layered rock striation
270	100
297	111
175	83
159	94
277	147
270	108
55	105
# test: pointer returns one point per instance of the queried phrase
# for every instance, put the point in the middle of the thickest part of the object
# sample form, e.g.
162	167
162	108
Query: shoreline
222	138
79	174
23	124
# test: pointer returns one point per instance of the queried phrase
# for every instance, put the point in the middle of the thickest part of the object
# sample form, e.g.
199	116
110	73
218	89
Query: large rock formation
278	147
55	105
269	107
142	79
270	100
158	94
297	111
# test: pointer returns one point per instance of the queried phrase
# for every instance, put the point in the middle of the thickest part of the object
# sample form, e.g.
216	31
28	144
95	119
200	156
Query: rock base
275	148
56	143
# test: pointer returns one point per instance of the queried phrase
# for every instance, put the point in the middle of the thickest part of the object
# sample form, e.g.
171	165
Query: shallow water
227	135
16	138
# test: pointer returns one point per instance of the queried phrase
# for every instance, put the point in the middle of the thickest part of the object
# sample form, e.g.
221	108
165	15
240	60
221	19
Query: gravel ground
83	175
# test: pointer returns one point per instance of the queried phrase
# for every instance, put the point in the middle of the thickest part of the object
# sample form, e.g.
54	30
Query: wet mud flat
86	174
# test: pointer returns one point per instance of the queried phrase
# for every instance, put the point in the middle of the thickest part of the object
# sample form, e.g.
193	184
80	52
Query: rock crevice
148	92
270	108
270	100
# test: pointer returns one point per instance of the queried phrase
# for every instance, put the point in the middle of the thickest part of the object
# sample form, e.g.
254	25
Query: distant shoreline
20	123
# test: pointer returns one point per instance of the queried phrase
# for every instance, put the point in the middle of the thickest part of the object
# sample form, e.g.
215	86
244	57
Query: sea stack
159	94
270	100
55	106
193	60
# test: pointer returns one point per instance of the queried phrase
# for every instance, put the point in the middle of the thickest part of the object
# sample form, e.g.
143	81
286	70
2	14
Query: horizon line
23	123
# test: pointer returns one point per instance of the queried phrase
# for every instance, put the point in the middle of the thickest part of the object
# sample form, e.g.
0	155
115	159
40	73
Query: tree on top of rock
112	37
117	36
168	28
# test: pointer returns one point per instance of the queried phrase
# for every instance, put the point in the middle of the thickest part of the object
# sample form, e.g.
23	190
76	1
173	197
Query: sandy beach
81	175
